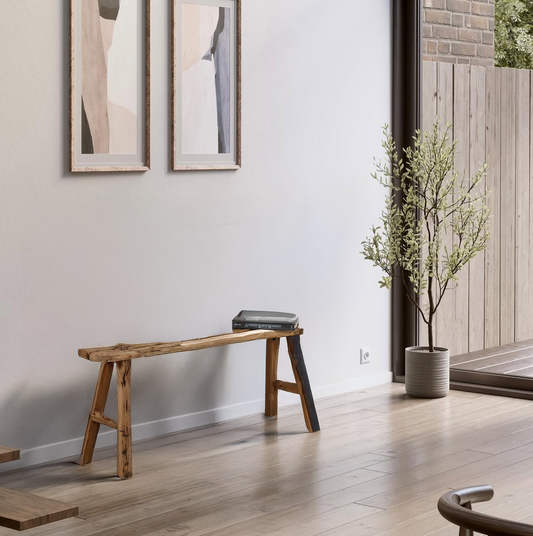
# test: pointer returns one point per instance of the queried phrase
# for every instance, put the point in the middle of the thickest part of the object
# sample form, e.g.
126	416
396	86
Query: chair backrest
456	507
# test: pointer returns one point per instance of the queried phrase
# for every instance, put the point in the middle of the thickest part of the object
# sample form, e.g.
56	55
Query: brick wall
459	31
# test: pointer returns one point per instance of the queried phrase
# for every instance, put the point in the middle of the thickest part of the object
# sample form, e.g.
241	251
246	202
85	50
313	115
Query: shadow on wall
60	415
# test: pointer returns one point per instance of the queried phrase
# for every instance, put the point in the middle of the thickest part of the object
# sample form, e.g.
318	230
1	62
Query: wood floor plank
483	362
228	510
518	437
476	470
489	352
471	425
522	373
377	467
325	522
391	518
510	367
293	526
467	437
217	460
271	521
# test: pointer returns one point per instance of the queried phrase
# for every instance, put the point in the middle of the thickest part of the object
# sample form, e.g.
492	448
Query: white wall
92	260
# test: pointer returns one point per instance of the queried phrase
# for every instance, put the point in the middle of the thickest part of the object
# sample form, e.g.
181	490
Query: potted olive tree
442	224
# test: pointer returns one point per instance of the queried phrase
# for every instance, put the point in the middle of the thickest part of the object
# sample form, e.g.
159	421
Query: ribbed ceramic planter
427	374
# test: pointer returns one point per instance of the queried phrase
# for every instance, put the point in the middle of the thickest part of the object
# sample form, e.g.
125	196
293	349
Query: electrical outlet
365	355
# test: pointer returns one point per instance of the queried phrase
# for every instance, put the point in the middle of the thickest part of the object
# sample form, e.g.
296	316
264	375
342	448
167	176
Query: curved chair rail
456	507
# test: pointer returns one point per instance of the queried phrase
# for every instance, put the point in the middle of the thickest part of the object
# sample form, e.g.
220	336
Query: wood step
22	511
8	454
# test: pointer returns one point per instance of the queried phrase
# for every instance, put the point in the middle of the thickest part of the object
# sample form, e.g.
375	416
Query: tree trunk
431	313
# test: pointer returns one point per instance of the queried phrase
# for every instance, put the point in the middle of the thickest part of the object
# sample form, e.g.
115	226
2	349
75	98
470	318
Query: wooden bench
122	355
21	511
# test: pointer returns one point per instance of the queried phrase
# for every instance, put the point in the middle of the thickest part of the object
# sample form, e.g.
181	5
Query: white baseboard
72	447
355	384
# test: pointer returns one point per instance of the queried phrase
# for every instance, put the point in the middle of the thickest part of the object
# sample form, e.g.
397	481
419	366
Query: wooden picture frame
206	109
109	85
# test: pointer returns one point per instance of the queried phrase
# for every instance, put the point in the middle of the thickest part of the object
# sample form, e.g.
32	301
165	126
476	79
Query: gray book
265	320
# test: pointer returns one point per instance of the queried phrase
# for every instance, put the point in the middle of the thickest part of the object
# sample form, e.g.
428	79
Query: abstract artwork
206	84
110	85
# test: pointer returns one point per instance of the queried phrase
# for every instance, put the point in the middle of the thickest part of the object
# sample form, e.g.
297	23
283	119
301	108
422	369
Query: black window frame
407	58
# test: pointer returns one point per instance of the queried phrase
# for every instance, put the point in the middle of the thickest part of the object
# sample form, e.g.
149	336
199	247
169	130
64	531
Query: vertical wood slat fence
491	110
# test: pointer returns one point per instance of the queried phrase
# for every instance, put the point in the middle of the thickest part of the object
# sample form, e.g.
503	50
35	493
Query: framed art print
110	85
206	84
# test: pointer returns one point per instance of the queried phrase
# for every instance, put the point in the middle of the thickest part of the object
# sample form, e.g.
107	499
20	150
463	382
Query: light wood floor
512	360
377	468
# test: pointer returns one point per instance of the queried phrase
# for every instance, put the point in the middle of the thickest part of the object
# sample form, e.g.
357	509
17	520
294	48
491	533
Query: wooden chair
456	507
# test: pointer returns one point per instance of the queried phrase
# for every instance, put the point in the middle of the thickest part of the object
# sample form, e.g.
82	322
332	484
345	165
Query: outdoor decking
514	359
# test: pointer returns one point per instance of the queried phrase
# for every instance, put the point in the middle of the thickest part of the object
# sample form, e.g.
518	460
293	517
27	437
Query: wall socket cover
365	355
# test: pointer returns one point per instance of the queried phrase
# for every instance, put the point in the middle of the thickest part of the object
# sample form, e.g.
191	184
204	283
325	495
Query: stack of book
265	320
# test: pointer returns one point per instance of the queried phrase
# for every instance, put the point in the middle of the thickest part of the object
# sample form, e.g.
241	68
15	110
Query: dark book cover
265	320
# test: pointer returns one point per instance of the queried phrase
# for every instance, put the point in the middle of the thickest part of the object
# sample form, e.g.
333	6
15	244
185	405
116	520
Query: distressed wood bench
123	354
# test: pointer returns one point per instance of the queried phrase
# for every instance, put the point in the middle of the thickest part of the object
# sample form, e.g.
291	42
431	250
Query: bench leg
124	452
98	407
302	381
271	391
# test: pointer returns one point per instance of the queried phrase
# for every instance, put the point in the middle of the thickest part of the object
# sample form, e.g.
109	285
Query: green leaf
443	221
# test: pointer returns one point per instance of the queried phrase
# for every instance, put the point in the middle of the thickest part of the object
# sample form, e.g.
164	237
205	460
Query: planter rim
425	349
